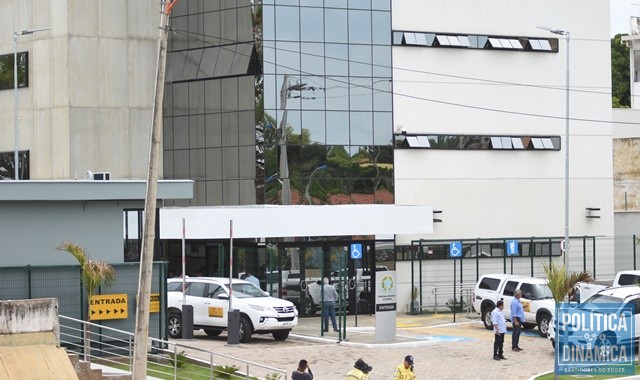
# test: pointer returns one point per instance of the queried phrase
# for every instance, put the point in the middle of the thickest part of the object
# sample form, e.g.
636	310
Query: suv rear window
489	283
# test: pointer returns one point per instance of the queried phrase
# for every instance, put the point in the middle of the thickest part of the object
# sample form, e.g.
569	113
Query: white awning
258	221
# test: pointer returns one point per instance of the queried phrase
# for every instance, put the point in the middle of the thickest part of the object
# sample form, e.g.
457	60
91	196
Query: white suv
209	296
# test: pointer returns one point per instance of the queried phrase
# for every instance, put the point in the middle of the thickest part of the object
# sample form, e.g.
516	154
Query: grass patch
186	371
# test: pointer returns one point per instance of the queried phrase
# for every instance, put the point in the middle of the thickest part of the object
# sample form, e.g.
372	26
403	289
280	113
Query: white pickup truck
537	300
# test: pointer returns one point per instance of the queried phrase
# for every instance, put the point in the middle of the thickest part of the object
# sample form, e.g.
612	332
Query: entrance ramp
35	362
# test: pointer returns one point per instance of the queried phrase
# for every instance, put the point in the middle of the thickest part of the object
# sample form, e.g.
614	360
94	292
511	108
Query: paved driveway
441	350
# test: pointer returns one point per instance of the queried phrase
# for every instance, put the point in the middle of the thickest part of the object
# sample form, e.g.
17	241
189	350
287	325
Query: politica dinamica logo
595	339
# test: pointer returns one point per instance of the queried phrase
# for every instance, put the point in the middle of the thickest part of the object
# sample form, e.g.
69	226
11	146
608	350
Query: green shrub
178	359
225	371
273	376
456	305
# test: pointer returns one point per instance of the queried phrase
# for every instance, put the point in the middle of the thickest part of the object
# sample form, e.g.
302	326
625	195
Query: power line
443	102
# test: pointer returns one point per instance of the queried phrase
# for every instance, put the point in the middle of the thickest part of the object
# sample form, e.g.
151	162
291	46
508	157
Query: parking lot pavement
442	349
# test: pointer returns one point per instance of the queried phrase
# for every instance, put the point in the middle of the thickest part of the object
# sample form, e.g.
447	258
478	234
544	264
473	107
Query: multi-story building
323	102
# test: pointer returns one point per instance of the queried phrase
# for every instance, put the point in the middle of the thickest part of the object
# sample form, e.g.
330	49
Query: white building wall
505	193
91	84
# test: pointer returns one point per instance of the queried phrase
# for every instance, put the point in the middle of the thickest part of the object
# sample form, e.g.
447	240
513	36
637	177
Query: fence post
594	257
477	259
532	253
584	254
633	244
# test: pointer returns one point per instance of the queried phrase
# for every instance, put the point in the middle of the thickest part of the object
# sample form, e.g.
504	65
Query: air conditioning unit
101	176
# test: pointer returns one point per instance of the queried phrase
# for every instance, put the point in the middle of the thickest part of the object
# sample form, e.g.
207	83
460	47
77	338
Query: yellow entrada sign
154	306
110	306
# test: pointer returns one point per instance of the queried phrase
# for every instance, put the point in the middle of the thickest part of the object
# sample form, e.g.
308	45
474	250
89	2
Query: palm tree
561	284
93	274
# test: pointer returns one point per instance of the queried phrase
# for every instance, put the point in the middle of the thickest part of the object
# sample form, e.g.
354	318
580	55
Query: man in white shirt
252	279
499	329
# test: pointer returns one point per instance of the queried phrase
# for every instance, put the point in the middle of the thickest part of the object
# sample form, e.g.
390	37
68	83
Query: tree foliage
620	80
93	273
560	282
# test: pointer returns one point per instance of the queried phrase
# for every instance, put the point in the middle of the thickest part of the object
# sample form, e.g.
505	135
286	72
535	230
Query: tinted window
215	290
489	283
196	289
510	288
174	287
527	291
628	279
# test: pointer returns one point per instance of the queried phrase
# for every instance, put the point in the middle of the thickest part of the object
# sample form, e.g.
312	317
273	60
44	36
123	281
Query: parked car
209	296
622	295
537	299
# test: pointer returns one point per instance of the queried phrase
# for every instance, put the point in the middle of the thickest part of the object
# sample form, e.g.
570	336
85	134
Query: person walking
517	319
404	371
301	373
360	371
329	298
252	279
499	329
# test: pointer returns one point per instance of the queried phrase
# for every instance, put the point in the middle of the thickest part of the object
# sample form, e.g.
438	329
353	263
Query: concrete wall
36	228
505	193
627	225
91	84
29	322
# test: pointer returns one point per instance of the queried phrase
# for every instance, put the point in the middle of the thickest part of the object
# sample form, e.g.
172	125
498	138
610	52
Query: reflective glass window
382	94
360	94
288	57
335	25
360	27
384	5
269	57
337	93
196	131
313	124
268	22
360	4
287	23
381	61
230	162
335	3
337	58
312	3
312	58
286	2
181	132
247	162
314	95
230	129
293	124
361	128
213	130
337	128
180	98
360	60
270	91
312	22
314	161
382	128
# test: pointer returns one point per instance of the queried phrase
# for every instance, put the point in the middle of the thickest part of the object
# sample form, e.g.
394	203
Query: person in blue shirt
499	329
517	319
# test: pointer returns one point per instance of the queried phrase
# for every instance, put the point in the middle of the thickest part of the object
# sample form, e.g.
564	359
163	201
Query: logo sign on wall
596	339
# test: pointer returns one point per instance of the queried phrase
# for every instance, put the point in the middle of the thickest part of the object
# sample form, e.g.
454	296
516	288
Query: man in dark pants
517	319
499	329
330	296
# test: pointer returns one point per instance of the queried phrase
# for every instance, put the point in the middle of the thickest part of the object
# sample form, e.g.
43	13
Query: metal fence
63	283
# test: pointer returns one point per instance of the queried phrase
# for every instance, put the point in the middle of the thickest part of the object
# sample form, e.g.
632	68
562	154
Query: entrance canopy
258	221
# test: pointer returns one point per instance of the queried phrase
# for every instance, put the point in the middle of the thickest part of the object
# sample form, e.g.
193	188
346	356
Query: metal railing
113	348
464	291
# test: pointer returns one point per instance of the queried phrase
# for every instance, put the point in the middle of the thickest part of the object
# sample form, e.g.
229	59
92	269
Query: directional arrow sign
108	306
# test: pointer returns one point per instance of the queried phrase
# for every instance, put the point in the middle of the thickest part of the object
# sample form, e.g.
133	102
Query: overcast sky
621	10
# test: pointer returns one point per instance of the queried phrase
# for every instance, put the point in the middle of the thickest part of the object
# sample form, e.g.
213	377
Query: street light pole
15	97
567	36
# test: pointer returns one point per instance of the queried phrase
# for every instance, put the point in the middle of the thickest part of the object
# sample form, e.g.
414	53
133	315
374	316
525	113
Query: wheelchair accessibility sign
455	249
356	251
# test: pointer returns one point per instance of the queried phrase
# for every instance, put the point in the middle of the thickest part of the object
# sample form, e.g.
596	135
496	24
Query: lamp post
565	246
15	95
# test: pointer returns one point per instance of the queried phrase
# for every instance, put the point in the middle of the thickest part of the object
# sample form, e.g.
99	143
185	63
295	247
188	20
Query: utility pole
139	370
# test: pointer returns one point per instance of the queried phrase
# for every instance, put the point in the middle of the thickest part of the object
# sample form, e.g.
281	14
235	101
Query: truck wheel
543	324
486	317
245	330
307	307
212	332
280	335
175	325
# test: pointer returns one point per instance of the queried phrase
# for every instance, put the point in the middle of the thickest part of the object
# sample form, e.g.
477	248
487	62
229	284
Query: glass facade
327	125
